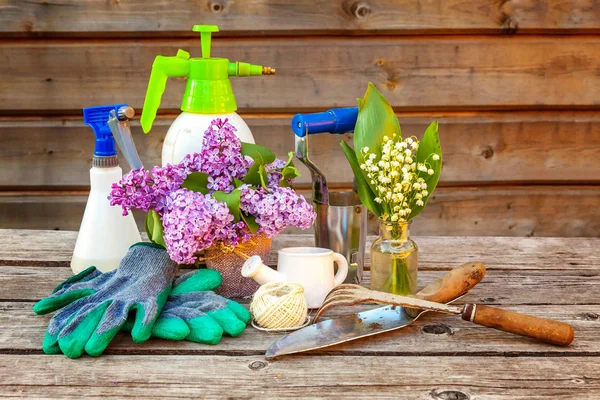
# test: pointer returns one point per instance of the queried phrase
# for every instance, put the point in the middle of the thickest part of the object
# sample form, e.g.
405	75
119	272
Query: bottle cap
97	118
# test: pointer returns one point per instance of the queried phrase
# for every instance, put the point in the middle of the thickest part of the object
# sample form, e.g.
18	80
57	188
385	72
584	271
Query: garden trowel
454	284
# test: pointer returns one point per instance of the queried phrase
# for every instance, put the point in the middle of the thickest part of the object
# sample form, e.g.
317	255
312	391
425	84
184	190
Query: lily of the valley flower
396	178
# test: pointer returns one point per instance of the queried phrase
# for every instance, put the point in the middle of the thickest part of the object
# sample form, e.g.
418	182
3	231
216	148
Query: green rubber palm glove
94	306
193	312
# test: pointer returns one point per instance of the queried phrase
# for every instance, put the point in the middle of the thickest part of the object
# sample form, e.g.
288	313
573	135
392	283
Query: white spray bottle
208	95
105	234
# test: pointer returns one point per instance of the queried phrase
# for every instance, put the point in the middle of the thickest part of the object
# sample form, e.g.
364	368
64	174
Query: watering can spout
261	273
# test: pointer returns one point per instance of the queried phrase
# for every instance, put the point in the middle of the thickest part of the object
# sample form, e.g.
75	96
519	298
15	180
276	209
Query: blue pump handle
97	118
336	120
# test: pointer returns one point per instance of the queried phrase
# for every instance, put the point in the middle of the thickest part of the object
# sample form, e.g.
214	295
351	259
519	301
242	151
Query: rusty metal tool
448	288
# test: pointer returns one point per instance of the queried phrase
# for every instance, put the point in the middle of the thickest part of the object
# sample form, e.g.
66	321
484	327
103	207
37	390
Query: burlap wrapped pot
229	263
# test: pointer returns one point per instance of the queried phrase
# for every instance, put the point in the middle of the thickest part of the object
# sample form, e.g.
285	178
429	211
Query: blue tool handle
336	120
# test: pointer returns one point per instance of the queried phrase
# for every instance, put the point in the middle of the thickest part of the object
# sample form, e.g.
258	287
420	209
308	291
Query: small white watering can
311	267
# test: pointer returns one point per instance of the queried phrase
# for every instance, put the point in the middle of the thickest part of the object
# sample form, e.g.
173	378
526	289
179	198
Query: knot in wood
510	26
437	329
449	395
215	7
360	10
487	152
584	379
257	365
589	316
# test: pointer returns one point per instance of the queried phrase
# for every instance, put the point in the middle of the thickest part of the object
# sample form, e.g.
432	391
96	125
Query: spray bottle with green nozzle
208	95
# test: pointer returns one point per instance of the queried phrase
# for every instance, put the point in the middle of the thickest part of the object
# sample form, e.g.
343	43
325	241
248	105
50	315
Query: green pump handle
208	89
162	68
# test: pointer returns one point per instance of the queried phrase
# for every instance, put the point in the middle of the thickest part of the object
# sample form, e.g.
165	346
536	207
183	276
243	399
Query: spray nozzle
119	125
97	118
208	89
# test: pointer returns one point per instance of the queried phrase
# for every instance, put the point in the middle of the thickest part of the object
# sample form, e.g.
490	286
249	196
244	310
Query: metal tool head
320	190
344	329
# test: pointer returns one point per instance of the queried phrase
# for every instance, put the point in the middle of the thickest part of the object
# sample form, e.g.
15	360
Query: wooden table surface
438	357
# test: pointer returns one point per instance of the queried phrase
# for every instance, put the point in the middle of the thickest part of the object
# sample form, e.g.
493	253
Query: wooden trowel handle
546	330
454	283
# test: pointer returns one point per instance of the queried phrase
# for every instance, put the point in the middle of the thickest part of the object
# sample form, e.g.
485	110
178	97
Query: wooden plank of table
54	249
22	332
302	17
479	147
508	287
438	357
315	73
451	211
246	376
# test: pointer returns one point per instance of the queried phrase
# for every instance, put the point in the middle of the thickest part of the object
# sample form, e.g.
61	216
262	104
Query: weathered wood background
515	85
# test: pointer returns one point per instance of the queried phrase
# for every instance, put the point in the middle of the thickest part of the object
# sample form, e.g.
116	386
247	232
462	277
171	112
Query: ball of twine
279	306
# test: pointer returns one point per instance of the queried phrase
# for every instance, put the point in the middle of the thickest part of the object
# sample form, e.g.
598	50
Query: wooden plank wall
515	85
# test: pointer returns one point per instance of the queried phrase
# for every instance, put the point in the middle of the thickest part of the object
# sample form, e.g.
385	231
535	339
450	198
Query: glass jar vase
394	259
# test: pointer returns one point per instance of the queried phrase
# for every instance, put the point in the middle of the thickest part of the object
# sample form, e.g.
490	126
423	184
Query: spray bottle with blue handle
105	234
341	223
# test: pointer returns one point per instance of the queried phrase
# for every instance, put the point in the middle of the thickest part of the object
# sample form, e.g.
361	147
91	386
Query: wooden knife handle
454	283
546	330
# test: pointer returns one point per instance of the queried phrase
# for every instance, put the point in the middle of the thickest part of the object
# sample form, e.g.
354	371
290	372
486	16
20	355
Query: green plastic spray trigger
208	89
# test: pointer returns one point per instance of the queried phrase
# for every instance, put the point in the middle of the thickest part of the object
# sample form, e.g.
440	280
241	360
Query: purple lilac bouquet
228	193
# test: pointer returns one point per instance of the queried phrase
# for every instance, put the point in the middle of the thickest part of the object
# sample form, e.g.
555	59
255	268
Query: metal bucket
341	226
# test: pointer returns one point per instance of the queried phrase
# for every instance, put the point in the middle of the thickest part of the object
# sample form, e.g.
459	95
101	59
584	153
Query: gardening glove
195	313
94	306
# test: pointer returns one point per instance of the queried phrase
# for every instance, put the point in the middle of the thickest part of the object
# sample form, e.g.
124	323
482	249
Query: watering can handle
336	120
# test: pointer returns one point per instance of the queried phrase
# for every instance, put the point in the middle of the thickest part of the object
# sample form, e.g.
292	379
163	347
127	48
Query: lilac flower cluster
166	180
220	158
134	190
192	221
234	234
273	172
276	209
144	191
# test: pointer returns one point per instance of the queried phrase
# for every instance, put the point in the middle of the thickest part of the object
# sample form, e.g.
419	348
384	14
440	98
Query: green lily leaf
232	200
259	154
237	183
264	176
430	144
375	120
257	176
149	225
251	223
197	182
252	177
364	190
289	171
290	160
154	228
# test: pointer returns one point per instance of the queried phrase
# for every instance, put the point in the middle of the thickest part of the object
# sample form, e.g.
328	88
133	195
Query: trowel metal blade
341	330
